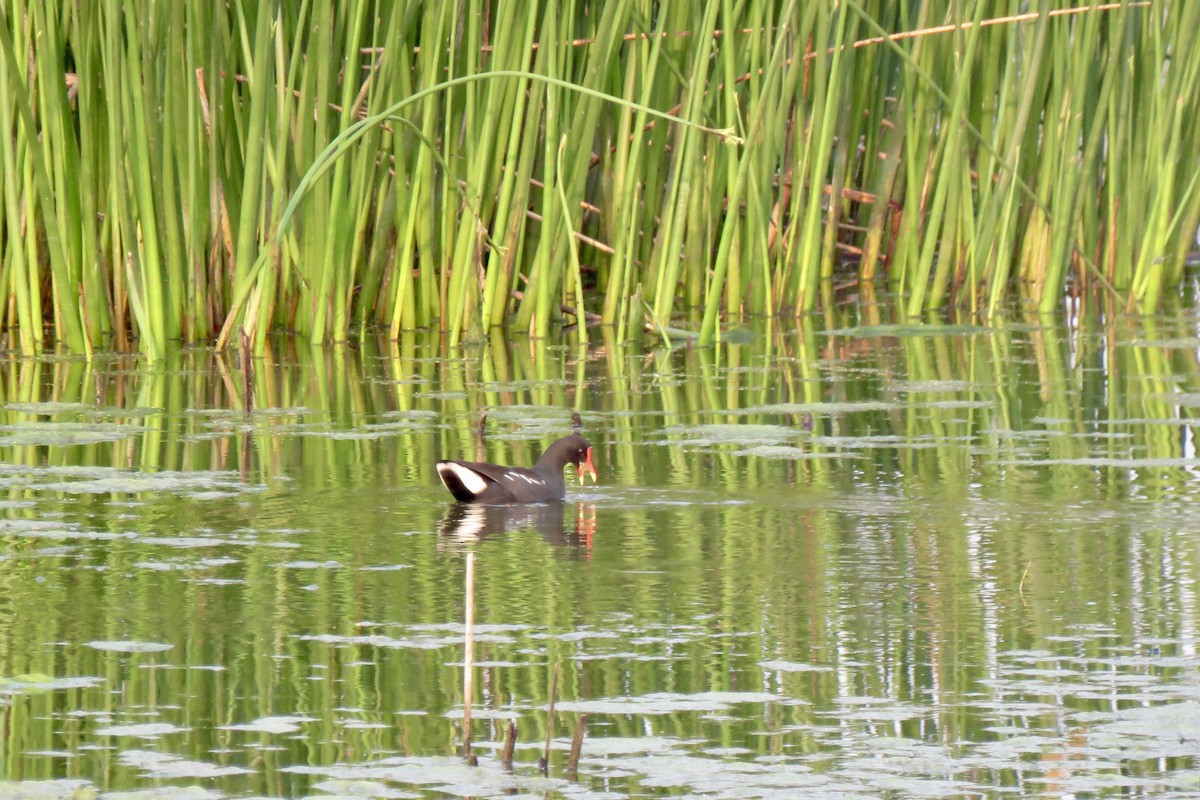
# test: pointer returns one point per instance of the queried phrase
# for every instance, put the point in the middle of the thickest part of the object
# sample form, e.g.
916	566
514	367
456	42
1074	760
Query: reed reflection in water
879	557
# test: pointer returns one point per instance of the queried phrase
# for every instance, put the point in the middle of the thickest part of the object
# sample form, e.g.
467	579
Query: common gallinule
480	482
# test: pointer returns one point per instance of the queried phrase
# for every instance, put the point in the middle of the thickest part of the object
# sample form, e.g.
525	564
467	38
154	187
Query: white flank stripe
469	478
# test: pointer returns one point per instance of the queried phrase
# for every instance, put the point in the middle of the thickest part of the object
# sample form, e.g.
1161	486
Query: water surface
881	561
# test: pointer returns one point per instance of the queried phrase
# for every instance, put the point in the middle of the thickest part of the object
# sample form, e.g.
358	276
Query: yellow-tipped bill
587	468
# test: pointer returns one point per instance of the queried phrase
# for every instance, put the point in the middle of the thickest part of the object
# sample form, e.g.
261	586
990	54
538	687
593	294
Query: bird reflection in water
467	523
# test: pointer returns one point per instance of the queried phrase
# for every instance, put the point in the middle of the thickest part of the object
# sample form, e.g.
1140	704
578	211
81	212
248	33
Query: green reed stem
171	174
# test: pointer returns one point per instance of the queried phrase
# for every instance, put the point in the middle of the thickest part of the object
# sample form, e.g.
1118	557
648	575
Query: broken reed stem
510	744
544	764
245	354
244	453
468	654
576	746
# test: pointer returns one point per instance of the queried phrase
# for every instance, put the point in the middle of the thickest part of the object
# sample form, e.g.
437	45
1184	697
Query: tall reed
171	171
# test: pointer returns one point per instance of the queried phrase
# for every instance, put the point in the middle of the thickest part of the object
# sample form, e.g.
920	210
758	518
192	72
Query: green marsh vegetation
183	171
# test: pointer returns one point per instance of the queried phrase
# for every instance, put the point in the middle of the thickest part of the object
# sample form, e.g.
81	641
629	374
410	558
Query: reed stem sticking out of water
544	762
576	746
510	745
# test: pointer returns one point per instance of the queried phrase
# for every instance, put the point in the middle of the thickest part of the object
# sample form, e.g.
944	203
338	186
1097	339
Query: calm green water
878	561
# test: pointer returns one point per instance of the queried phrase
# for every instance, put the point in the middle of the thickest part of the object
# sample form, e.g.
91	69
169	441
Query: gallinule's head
570	450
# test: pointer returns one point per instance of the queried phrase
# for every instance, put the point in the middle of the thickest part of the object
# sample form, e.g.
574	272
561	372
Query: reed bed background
184	171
